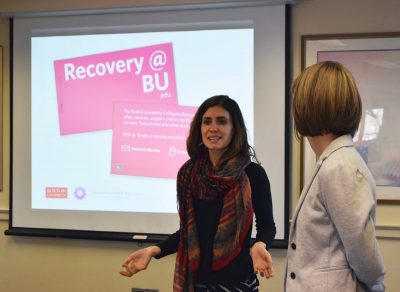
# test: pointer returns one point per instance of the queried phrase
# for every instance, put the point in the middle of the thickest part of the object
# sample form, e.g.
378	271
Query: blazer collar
340	142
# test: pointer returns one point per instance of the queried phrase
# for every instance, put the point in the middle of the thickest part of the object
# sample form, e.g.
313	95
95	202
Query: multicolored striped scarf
196	179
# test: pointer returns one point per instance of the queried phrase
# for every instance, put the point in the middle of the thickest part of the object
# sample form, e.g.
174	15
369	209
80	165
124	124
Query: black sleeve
262	203
169	245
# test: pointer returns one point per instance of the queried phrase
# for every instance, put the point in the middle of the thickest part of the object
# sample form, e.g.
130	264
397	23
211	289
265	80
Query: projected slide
143	75
111	112
146	137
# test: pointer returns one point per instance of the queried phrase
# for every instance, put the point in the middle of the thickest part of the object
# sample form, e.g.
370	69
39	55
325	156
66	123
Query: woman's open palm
137	261
262	260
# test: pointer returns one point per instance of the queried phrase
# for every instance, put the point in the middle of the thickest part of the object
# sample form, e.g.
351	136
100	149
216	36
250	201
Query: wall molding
388	231
4	214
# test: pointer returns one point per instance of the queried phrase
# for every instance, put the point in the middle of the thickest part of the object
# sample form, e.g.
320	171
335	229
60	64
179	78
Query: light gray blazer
332	243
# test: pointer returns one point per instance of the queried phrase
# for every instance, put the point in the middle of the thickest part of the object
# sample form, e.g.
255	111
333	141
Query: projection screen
102	103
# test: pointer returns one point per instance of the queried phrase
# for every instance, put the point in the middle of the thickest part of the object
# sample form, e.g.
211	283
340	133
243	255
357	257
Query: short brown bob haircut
325	101
238	148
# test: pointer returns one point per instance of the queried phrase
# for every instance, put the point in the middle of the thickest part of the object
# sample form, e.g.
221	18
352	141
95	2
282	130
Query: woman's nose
213	127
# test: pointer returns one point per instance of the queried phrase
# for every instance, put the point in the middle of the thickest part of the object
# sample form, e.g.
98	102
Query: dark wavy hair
238	147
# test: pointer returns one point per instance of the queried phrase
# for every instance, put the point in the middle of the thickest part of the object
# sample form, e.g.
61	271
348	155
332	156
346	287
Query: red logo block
57	192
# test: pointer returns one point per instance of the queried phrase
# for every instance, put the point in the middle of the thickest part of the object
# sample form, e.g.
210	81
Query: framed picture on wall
1	118
374	61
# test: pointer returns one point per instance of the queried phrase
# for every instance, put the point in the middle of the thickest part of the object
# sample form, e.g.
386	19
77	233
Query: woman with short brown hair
332	241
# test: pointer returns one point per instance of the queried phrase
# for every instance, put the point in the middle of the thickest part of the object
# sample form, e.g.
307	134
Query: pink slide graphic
150	140
88	86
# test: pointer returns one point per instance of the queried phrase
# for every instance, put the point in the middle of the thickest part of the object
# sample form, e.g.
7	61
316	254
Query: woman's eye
222	122
206	122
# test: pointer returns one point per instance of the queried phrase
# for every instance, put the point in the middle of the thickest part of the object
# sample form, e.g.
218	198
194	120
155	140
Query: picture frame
374	61
1	118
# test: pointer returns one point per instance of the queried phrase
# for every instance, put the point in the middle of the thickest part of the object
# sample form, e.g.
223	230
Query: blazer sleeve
350	203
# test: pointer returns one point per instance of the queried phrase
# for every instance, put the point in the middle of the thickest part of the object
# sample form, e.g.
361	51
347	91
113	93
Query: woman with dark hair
332	241
219	188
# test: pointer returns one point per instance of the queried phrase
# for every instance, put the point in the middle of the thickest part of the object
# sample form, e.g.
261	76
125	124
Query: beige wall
64	265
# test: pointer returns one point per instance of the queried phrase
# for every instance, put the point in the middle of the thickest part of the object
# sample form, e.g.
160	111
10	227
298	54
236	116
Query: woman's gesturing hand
262	260
138	260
